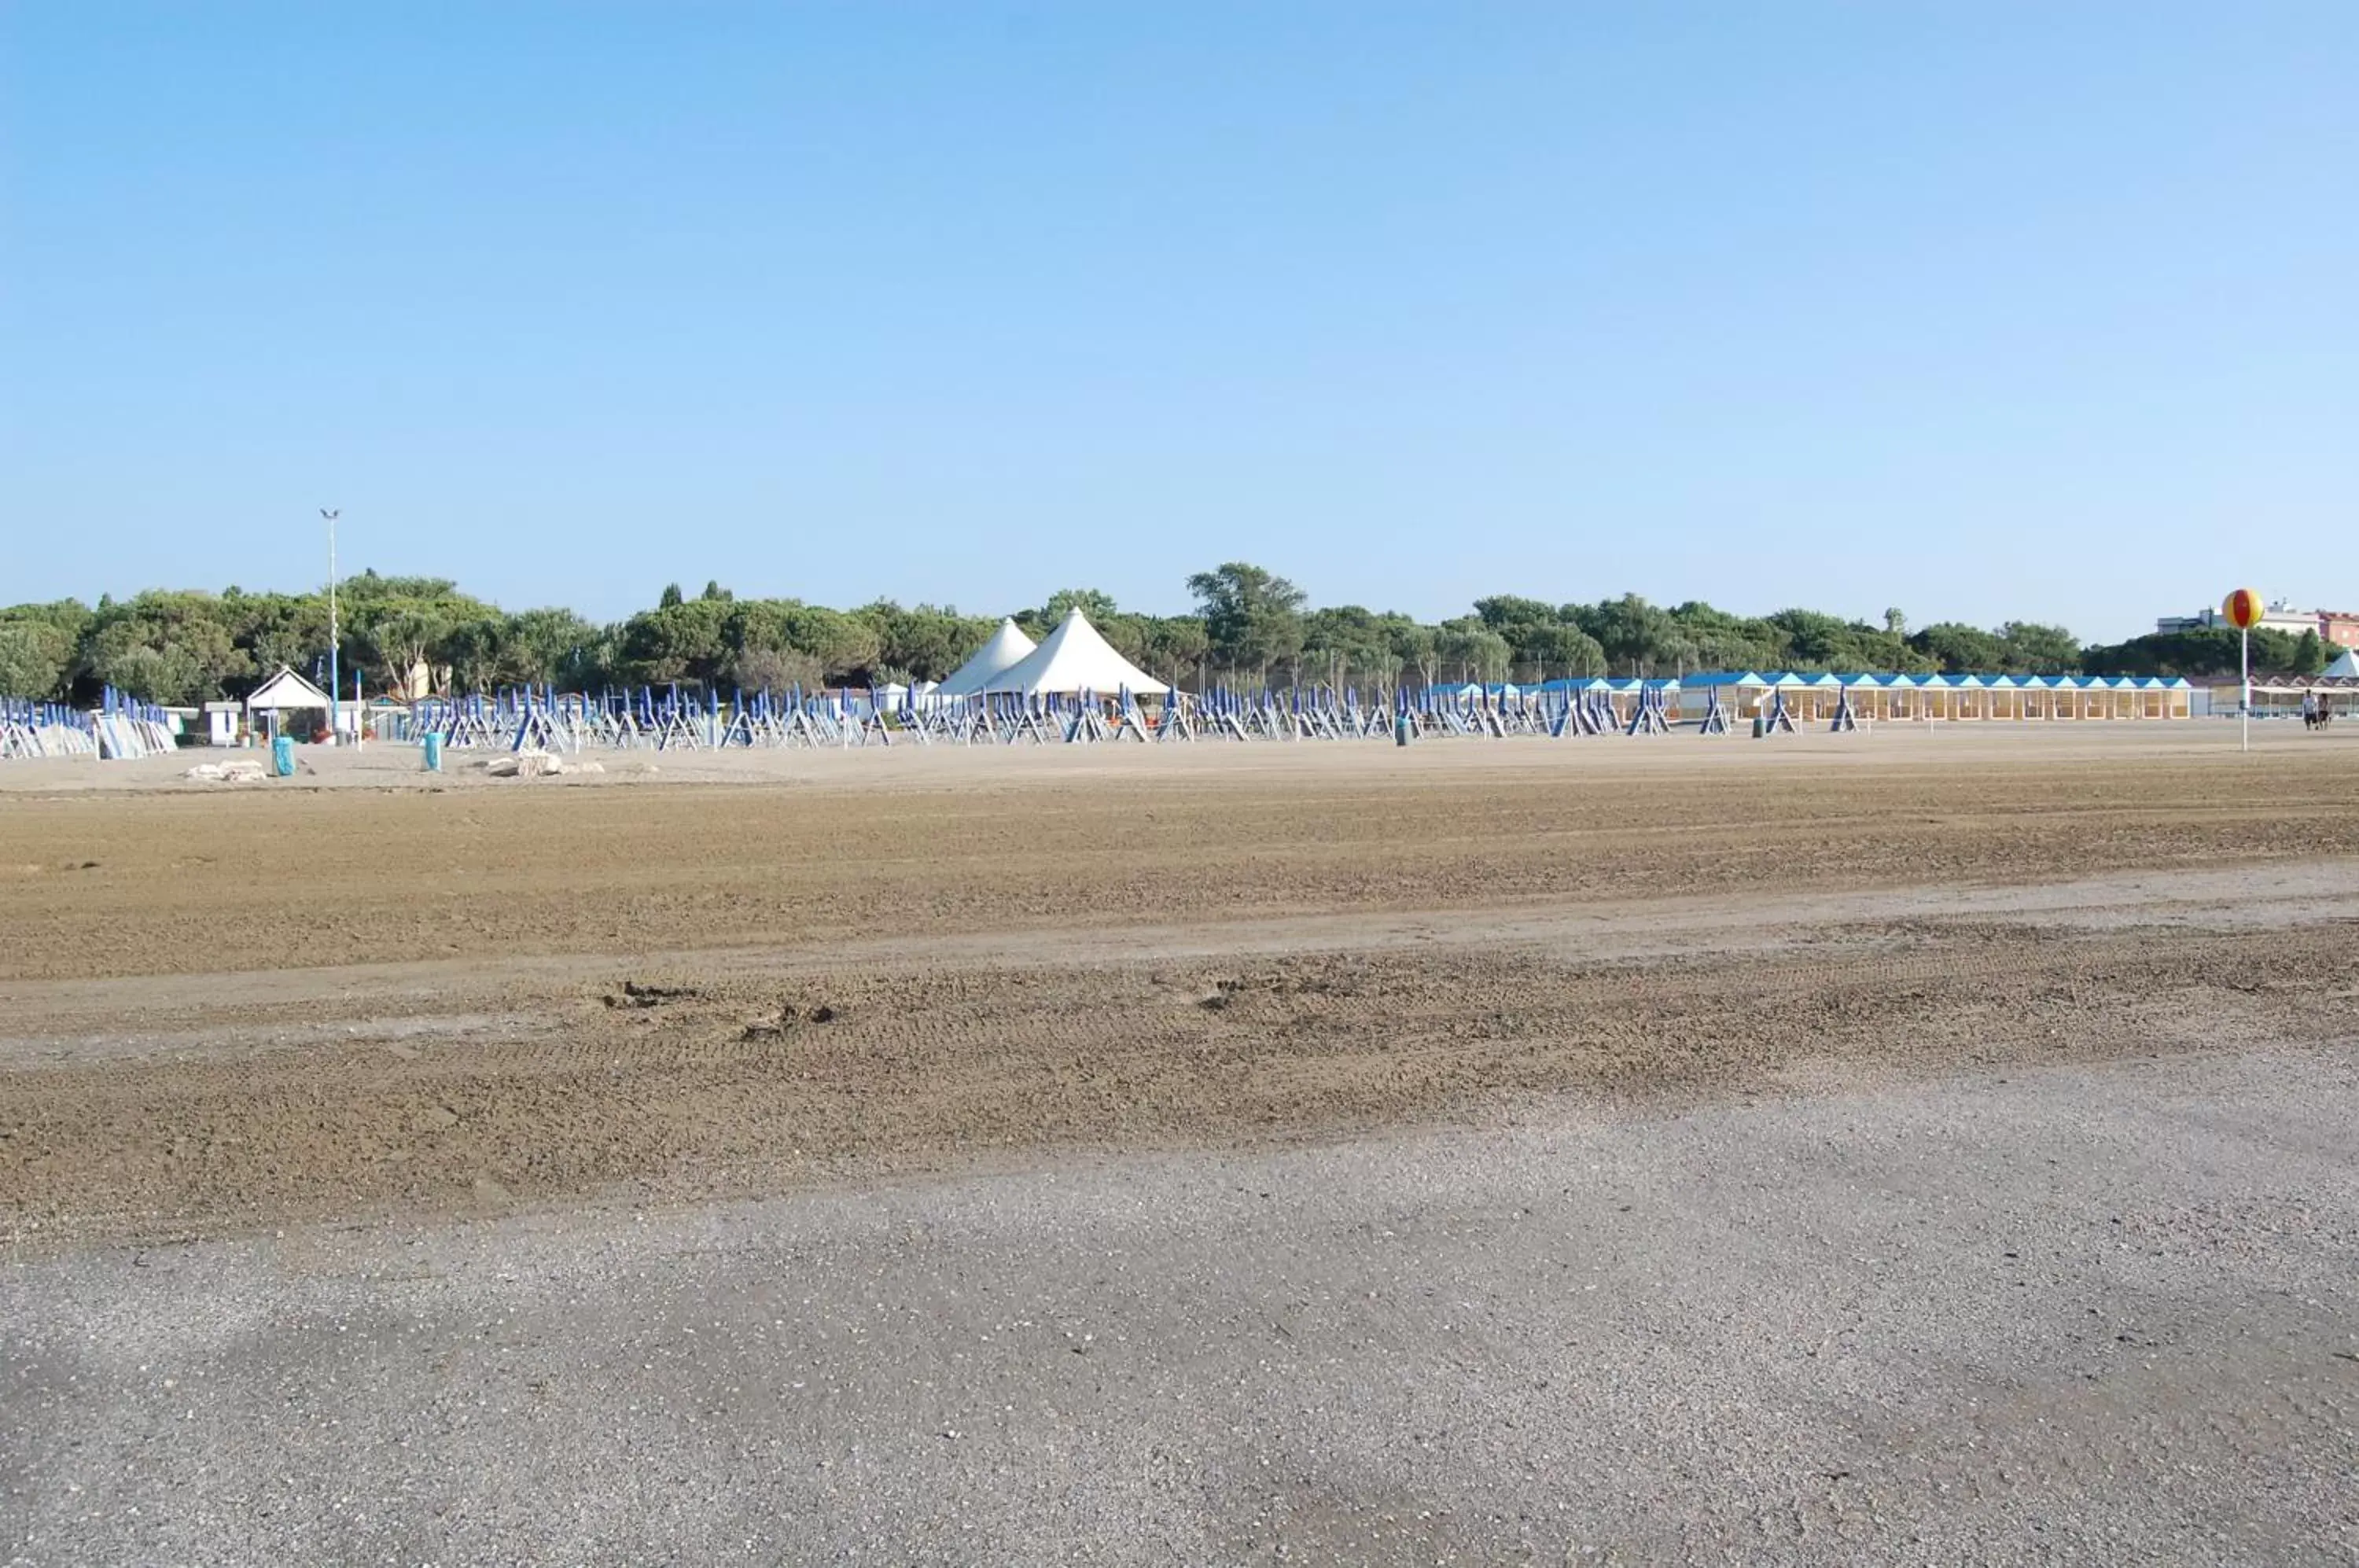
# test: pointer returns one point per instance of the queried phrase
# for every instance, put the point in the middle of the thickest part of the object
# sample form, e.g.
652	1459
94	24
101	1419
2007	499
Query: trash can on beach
1400	729
433	749
282	756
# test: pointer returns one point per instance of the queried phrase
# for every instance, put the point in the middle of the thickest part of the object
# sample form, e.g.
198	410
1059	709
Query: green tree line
1249	627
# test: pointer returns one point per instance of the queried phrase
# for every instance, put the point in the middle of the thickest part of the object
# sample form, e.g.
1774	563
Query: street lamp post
335	673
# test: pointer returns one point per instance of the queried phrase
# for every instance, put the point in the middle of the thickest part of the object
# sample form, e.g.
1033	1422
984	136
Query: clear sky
1981	309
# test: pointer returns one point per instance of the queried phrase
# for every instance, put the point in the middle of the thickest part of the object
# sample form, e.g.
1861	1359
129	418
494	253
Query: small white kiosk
285	696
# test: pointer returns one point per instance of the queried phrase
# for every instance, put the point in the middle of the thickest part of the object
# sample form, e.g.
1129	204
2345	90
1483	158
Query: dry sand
420	1008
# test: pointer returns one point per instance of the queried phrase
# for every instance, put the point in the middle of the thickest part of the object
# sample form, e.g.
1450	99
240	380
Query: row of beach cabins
1809	698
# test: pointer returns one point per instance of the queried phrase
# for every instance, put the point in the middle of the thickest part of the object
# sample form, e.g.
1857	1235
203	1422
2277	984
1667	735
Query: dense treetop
1251	627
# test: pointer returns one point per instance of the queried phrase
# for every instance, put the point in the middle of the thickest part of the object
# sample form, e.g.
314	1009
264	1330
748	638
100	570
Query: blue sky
1979	310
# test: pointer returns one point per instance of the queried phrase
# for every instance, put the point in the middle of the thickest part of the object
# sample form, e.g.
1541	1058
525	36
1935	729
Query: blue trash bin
1400	729
282	756
433	751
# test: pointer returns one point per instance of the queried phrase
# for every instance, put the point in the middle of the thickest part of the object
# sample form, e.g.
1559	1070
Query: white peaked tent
2346	665
1075	659
1008	645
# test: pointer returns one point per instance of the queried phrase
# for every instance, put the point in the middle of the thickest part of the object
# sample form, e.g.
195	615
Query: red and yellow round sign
2243	608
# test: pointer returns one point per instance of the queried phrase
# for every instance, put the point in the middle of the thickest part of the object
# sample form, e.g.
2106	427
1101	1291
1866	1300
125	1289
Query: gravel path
2096	1313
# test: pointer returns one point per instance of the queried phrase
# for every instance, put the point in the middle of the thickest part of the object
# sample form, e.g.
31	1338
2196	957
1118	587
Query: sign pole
2245	671
2244	611
335	675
